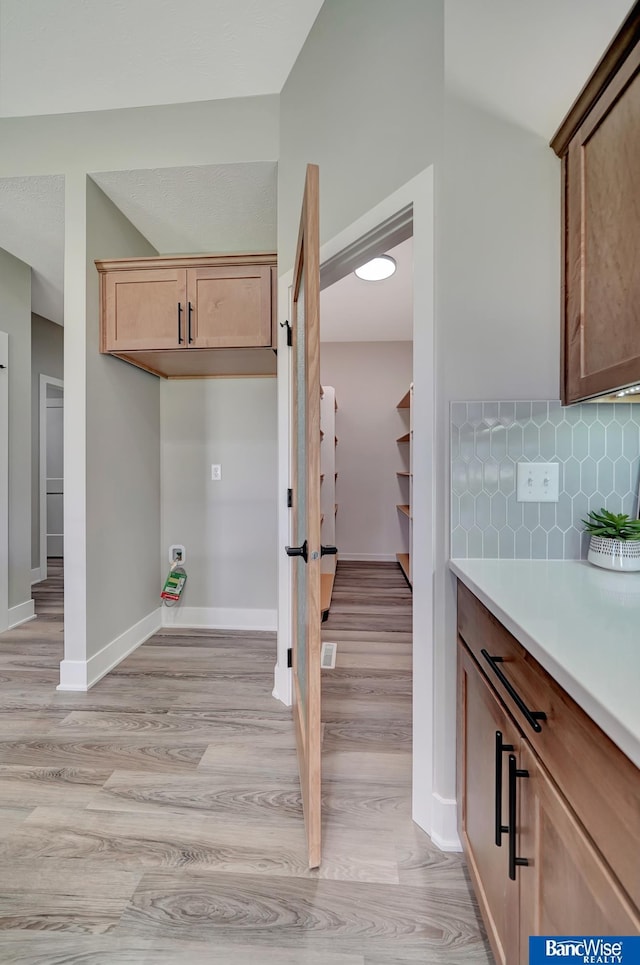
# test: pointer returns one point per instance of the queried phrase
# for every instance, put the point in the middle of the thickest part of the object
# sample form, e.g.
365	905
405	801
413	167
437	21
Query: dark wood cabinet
549	817
190	317
599	143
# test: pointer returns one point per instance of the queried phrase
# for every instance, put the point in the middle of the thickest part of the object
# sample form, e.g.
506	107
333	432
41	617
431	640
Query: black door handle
298	551
500	827
189	324
514	773
532	716
180	338
328	551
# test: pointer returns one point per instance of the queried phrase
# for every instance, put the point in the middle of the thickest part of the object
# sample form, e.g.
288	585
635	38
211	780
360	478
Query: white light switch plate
537	482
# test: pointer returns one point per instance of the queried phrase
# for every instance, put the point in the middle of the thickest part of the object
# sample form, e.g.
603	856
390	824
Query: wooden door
601	324
144	309
229	307
486	737
566	888
305	432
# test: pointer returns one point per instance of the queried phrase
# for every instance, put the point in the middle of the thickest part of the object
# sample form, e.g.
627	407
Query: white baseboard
83	674
219	618
444	823
282	684
368	557
36	575
21	613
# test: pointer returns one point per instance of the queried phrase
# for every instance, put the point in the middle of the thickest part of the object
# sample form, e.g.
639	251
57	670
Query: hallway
158	817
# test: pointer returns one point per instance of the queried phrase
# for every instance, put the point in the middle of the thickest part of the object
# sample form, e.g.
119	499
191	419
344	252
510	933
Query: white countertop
581	623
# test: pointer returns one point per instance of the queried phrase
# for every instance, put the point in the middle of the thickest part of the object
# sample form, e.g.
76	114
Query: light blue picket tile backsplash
597	446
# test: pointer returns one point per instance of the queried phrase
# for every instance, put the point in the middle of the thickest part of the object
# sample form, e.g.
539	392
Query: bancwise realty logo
588	950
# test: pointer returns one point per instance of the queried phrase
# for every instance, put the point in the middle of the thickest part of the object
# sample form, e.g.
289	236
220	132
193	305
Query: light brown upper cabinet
191	316
599	143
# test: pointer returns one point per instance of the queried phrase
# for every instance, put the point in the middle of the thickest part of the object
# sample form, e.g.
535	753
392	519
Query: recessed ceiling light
377	269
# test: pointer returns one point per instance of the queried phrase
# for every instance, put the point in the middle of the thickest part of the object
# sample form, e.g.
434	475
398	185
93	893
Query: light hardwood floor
373	597
157	819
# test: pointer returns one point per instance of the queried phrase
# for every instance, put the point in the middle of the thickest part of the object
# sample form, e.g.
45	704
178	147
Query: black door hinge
289	657
289	332
289	498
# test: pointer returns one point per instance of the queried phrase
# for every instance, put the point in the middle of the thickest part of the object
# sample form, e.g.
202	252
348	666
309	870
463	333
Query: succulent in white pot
615	540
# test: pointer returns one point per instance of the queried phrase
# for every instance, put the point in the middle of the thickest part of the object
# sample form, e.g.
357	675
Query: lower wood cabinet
537	868
485	736
566	888
186	317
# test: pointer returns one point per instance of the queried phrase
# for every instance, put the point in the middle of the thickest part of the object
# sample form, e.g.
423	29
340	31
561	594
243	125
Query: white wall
112	457
370	378
47	351
498	323
123	454
363	101
238	129
228	527
15	320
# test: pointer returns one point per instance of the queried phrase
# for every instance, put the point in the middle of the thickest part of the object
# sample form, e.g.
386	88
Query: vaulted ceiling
61	56
520	60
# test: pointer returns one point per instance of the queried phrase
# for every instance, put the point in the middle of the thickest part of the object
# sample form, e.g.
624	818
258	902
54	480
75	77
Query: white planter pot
614	554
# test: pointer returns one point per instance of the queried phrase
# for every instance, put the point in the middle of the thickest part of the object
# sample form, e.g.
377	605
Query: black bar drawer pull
189	324
533	716
180	338
514	773
500	748
328	551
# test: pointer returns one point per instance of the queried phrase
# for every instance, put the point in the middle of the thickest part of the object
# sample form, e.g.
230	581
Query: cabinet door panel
566	889
480	717
602	283
142	309
231	307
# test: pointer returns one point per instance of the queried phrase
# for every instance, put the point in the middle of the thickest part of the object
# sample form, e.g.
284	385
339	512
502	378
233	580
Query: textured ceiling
219	207
353	310
87	55
524	60
32	229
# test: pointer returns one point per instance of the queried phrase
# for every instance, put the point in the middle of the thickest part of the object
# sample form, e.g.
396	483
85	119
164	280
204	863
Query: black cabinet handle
500	827
328	551
189	324
532	716
298	551
180	338
514	773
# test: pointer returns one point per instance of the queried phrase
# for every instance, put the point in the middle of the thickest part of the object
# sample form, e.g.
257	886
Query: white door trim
45	380
4	481
419	194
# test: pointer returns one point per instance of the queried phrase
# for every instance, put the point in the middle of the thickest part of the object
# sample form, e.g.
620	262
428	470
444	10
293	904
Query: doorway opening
51	477
366	332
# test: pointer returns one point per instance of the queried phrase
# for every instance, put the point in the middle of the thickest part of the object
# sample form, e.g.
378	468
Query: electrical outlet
177	553
537	482
216	473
